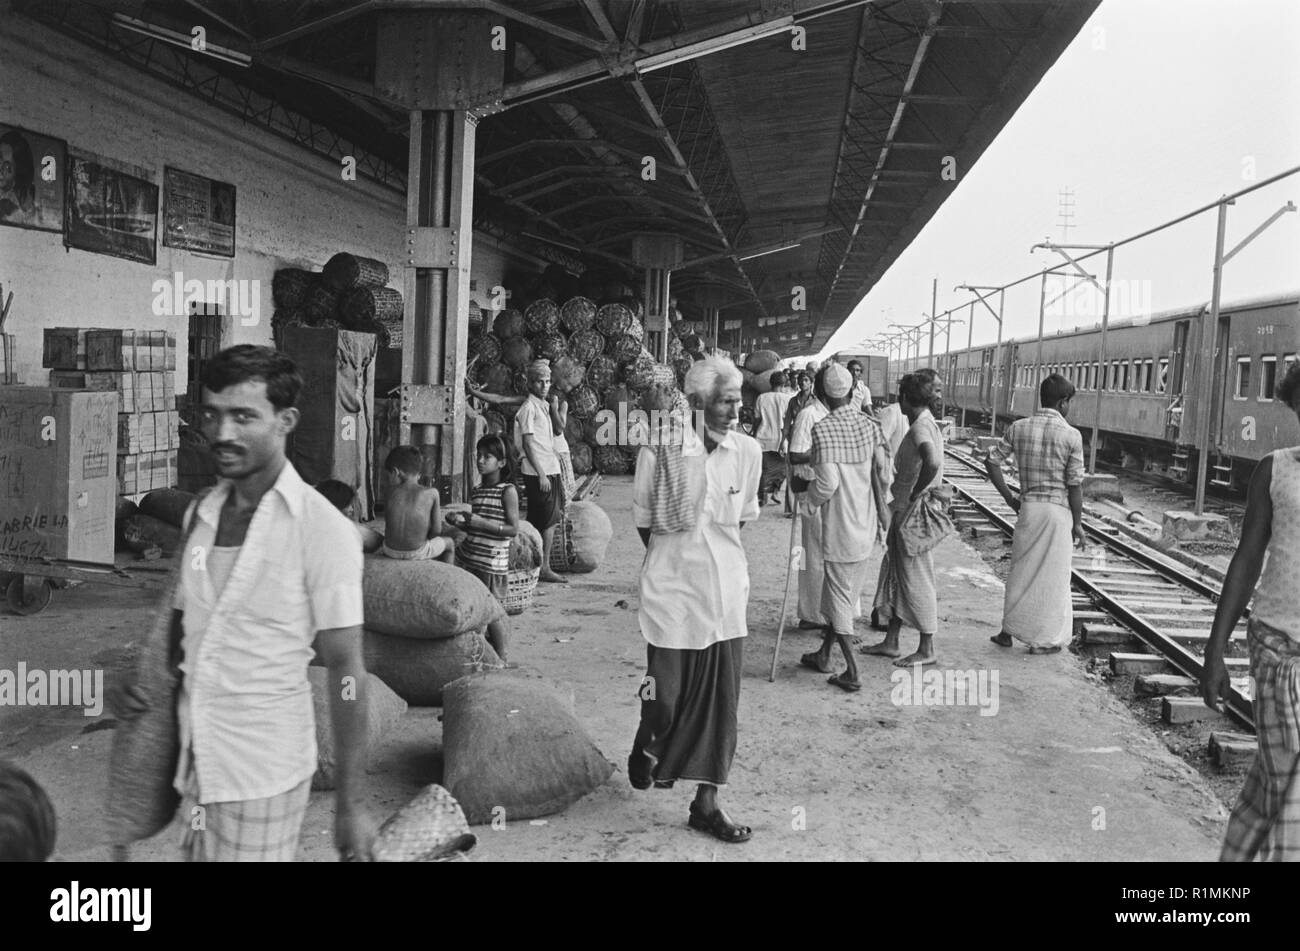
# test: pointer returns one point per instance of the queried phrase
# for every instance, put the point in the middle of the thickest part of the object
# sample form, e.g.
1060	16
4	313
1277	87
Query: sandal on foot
718	827
639	776
813	662
1002	639
839	680
810	625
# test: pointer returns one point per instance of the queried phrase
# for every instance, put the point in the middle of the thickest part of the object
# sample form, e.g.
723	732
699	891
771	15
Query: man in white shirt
850	461
810	525
270	567
860	395
690	500
543	486
770	410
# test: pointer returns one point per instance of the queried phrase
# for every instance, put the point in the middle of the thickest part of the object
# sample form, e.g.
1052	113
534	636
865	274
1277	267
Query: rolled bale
424	599
577	314
526	548
566	373
345	271
602	372
418	671
512	745
624	350
486	347
509	323
541	317
586	345
641	374
583	401
499	379
580	457
167	505
141	532
383	709
516	352
613	320
289	286
359	304
551	346
581	539
319	304
609	460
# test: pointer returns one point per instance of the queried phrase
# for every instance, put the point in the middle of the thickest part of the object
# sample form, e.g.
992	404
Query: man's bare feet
883	649
552	577
917	659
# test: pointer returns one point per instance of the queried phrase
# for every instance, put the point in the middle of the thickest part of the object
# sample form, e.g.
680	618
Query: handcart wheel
29	595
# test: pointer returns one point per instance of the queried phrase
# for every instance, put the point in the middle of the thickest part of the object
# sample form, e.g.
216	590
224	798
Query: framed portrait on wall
32	171
198	213
111	208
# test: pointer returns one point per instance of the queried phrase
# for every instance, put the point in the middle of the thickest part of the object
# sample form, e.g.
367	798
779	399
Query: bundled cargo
624	350
363	303
541	317
319	304
551	346
609	460
566	373
486	347
586	345
289	286
580	457
516	352
641	374
130	350
383	709
583	401
345	271
578	314
509	323
419	670
65	348
602	373
424	599
581	539
614	320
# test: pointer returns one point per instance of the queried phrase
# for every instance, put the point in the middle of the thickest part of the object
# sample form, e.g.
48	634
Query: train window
1114	375
1096	379
1146	376
1243	378
1267	377
1123	375
1162	375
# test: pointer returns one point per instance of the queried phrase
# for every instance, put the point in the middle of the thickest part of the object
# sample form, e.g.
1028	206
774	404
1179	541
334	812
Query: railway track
1122	590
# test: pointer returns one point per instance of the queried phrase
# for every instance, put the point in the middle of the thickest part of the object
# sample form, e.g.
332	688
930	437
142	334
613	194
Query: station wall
292	207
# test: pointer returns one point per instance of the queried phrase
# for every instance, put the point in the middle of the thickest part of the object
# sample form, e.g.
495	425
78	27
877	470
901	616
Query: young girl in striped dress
492	522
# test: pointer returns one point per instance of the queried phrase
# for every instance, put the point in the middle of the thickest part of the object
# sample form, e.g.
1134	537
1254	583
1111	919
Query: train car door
986	378
1177	375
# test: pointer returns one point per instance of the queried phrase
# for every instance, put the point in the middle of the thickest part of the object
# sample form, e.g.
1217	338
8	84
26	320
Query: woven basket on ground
289	286
484	346
624	350
541	317
370	303
516	352
586	345
566	373
609	460
551	346
602	373
344	271
578	313
520	586
319	304
613	320
583	401
509	323
430	828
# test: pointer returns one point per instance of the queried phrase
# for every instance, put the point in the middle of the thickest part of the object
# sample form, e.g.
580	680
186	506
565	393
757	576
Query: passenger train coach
1147	388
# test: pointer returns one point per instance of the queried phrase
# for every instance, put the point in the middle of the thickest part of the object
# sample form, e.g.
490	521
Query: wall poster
112	208
32	170
198	213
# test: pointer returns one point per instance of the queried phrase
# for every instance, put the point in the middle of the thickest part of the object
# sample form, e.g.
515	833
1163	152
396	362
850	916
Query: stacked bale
349	292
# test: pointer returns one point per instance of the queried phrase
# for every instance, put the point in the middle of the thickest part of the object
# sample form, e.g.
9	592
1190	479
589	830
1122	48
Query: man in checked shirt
1049	455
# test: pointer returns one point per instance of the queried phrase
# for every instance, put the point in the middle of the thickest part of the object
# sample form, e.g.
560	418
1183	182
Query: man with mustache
269	568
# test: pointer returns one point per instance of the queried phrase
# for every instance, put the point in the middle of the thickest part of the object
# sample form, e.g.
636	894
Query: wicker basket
520	586
370	303
289	286
578	314
344	271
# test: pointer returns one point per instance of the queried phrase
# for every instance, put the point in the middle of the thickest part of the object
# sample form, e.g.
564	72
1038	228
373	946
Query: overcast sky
1156	108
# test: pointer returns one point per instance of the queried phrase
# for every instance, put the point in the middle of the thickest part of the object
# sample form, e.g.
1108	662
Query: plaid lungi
1266	820
567	479
841	588
254	830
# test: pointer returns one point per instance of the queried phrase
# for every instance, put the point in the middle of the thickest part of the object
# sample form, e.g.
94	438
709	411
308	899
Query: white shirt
534	419
843	493
894	424
861	395
801	434
770	408
695	585
245	705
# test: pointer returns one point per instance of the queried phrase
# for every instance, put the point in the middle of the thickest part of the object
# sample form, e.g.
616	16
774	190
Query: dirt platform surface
1061	770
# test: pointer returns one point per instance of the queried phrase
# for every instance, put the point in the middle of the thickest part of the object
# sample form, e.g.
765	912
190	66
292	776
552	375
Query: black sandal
718	827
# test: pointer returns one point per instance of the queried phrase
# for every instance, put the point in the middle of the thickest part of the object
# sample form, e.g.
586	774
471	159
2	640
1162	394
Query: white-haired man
692	495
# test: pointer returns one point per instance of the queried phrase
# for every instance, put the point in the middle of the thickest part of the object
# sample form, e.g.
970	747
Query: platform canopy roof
798	146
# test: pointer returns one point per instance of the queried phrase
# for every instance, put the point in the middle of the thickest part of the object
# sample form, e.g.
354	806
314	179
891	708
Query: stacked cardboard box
140	366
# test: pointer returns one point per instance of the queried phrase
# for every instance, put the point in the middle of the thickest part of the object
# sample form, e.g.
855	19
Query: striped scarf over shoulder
846	436
671	507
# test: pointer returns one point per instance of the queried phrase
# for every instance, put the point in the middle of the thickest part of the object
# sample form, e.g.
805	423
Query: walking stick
789	572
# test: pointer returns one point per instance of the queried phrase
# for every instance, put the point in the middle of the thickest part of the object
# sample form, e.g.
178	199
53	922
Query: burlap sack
581	538
383	709
513	748
425	599
418	671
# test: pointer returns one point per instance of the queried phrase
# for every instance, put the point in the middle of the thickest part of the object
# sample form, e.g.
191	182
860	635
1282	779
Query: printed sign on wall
111	209
198	213
32	169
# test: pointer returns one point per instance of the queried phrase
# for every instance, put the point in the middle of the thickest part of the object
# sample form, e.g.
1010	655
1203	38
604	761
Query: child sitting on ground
412	512
492	522
342	496
27	824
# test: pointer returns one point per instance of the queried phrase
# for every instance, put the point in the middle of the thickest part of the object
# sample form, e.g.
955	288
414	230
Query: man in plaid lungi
271	576
1265	823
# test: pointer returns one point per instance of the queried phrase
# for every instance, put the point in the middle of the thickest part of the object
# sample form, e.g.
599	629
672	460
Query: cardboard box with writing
57	485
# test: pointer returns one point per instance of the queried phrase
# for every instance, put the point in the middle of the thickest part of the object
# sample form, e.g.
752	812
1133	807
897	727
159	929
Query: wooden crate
57	486
146	471
130	350
65	348
147	432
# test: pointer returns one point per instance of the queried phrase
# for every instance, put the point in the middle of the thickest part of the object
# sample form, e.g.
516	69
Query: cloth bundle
926	522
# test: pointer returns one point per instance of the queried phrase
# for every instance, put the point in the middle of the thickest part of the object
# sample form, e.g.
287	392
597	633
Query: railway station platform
1058	770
